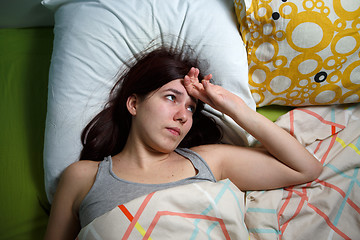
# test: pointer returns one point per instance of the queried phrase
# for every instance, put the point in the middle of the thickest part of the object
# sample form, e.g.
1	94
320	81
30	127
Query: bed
296	62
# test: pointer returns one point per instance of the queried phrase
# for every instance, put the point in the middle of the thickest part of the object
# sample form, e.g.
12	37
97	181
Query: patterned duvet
327	208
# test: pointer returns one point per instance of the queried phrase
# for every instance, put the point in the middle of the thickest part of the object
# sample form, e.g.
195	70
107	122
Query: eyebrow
175	91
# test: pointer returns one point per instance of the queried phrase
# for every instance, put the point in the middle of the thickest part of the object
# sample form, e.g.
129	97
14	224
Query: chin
166	148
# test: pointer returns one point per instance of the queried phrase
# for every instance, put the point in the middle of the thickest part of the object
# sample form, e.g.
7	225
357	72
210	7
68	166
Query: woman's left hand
213	95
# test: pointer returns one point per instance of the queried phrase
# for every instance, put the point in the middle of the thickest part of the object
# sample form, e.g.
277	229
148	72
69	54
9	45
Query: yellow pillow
302	52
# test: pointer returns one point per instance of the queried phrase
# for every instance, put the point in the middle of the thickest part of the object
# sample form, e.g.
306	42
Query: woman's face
164	117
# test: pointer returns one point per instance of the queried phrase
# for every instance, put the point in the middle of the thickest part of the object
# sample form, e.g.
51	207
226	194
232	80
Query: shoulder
78	178
80	171
212	156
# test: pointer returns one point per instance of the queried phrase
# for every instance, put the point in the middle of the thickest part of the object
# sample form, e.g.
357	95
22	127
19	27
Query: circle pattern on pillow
302	52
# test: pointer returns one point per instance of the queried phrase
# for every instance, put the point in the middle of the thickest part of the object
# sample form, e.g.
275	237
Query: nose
181	115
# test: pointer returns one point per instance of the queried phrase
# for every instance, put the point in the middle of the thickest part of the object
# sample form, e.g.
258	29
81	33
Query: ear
131	104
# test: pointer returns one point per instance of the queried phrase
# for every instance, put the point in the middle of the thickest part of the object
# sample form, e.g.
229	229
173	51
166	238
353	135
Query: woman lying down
153	137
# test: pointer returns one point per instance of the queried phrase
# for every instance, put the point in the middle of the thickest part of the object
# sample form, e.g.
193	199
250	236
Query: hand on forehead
192	84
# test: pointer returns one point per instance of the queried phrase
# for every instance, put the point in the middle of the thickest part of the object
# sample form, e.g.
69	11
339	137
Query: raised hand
213	95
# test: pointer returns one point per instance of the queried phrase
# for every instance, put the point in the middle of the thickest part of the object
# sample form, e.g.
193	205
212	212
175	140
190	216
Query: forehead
177	87
177	84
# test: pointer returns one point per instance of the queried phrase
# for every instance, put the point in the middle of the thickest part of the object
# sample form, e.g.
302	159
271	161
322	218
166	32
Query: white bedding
203	210
329	207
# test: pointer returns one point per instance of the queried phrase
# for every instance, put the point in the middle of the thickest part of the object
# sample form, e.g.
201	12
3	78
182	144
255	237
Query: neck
135	153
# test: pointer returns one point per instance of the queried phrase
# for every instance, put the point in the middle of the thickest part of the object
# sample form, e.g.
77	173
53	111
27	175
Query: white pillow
93	39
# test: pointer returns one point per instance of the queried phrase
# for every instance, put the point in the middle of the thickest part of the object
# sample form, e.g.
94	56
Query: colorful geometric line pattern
135	224
345	195
217	199
134	220
330	203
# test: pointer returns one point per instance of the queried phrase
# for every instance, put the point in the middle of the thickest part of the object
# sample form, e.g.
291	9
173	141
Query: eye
191	109
171	97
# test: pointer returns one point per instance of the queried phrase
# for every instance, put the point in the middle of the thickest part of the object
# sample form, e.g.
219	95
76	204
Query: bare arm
75	182
285	162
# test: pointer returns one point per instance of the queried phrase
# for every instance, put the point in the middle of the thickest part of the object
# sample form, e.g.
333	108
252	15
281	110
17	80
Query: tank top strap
203	169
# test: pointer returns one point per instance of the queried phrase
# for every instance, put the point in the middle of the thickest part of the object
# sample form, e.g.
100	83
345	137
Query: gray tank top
109	191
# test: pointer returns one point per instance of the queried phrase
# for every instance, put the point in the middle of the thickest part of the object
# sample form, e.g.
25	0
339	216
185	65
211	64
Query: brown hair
107	132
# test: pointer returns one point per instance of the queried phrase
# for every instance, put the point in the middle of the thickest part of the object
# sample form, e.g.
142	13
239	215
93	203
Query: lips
175	131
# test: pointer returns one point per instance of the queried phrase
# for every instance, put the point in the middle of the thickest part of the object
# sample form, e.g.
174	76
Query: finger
192	77
209	92
206	84
192	85
187	81
195	90
208	87
196	73
208	77
192	72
